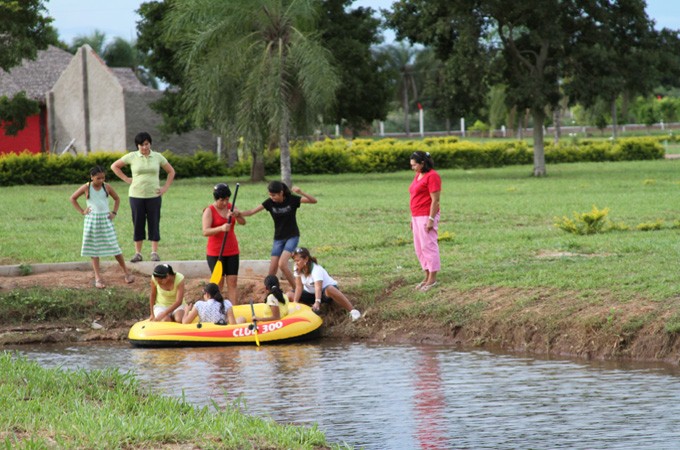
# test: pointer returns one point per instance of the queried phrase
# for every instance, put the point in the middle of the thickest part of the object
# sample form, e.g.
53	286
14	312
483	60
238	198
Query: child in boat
167	295
213	308
276	300
313	285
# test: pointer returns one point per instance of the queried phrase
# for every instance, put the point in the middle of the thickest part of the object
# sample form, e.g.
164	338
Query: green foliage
13	112
333	156
479	127
39	305
592	222
110	409
650	226
25	269
42	169
25	29
349	34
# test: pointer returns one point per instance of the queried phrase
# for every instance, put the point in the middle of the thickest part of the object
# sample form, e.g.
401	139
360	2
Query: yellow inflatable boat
301	323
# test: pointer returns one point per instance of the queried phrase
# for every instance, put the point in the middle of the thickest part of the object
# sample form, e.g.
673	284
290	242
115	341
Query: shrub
592	222
337	156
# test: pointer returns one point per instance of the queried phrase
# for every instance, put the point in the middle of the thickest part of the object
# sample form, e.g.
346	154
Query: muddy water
410	397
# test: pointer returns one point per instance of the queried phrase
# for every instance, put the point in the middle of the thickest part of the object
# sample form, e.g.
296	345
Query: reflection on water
409	397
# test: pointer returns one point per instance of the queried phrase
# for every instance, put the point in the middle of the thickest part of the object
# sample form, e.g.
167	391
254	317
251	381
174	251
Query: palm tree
400	61
254	67
118	53
95	40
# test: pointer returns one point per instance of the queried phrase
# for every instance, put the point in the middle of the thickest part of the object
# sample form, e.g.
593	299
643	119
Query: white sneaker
356	315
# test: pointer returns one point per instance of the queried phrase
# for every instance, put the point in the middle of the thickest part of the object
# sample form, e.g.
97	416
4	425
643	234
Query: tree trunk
407	121
257	169
614	120
539	151
284	146
557	117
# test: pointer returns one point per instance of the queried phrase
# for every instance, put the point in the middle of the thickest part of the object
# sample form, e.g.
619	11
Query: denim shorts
288	245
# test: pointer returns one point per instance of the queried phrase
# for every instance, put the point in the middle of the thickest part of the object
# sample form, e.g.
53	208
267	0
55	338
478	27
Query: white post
337	130
503	130
382	128
662	126
422	123
219	147
462	126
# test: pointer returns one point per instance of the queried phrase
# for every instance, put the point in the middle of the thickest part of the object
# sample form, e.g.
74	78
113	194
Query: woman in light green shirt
145	193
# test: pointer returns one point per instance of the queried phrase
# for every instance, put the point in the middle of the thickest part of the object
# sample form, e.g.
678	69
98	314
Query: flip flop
427	287
99	284
129	279
419	286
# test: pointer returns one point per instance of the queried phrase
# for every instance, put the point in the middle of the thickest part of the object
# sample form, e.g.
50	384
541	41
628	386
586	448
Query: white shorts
158	310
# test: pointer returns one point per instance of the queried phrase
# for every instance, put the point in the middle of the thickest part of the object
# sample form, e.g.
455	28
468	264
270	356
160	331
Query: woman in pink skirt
425	190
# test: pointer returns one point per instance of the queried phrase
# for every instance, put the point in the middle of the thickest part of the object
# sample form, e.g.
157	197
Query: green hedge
340	156
29	168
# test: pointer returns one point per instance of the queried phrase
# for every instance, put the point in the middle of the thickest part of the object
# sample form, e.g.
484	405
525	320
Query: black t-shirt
285	224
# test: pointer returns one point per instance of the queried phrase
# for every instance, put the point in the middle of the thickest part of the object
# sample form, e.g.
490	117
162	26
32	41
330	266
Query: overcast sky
117	18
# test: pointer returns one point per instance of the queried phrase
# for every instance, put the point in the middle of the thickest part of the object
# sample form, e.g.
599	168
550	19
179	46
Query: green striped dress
99	236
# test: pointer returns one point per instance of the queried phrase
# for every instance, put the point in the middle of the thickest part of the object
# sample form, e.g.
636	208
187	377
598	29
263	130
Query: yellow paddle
217	270
254	325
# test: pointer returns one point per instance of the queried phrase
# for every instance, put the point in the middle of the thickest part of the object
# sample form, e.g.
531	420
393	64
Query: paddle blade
217	273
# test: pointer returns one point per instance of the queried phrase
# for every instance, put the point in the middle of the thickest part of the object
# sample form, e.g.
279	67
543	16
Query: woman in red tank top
215	224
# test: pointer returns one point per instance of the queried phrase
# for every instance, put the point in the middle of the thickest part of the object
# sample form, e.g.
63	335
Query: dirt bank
540	321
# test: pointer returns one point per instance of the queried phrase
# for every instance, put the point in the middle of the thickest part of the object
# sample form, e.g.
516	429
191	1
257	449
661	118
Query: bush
42	169
338	156
592	222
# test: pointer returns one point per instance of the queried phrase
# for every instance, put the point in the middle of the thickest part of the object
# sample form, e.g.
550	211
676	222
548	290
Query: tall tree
400	63
24	29
363	95
117	53
536	41
614	54
96	40
463	48
256	65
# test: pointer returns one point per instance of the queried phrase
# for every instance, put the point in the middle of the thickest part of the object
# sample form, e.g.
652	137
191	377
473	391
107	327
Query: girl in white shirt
313	284
213	308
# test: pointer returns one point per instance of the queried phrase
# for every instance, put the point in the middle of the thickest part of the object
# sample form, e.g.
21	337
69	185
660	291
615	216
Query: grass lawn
497	226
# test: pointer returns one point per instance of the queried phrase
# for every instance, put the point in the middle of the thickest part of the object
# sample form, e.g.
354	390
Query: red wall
27	139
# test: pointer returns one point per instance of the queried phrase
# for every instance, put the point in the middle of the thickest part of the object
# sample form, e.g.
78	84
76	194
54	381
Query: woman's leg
97	273
153	218
285	270
129	278
232	288
417	225
338	297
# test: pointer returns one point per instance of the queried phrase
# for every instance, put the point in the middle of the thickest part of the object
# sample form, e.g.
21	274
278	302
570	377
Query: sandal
427	287
419	286
129	278
99	284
